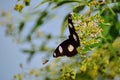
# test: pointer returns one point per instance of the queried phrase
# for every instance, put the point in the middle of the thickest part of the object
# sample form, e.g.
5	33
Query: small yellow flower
83	68
27	2
35	72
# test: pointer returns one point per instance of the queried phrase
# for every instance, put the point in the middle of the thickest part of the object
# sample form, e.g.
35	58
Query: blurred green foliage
98	28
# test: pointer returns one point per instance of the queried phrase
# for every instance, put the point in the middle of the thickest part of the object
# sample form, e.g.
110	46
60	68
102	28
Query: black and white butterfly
68	47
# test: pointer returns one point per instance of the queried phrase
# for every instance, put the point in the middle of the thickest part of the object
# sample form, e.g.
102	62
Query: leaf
30	57
49	36
28	51
28	38
114	32
44	47
39	21
21	27
94	45
64	25
31	52
65	2
43	2
78	8
86	49
106	29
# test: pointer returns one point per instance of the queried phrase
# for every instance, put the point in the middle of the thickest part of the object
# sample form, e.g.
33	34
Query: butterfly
68	47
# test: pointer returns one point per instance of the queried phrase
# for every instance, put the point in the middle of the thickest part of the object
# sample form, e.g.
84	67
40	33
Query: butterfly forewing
70	25
73	35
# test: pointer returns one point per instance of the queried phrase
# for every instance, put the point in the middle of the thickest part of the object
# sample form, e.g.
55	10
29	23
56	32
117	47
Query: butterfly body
69	46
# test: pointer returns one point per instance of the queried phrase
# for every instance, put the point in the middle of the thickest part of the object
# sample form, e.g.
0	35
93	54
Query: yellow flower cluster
103	61
19	7
89	31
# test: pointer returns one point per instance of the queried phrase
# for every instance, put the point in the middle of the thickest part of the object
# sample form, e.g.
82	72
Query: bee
44	61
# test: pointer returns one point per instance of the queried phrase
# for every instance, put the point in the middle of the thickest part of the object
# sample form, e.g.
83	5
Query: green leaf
83	76
39	21
94	45
86	49
114	32
43	2
44	47
49	36
21	27
64	26
78	8
28	38
106	29
65	2
28	51
30	57
31	53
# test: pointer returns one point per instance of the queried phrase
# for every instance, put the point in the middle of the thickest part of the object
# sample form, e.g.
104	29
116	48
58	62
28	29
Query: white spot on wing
72	13
60	49
69	17
70	25
75	38
70	48
54	54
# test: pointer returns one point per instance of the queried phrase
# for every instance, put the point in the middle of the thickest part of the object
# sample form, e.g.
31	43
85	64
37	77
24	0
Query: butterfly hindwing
60	50
69	46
